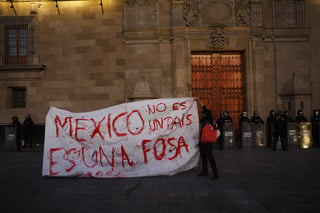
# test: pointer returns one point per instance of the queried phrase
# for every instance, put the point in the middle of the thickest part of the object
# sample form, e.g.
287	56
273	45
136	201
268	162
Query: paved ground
251	181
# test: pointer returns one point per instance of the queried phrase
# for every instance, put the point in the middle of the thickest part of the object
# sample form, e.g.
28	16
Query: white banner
144	138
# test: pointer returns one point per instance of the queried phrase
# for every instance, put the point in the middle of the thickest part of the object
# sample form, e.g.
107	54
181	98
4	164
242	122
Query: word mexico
143	138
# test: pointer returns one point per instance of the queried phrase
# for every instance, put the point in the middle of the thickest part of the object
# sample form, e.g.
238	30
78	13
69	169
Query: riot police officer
243	119
256	119
271	121
225	119
315	121
300	117
27	128
281	131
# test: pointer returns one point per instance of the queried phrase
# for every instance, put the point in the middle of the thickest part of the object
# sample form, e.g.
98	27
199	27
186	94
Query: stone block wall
94	60
83	53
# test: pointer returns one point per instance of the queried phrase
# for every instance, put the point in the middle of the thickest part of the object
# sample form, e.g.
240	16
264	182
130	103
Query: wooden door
217	79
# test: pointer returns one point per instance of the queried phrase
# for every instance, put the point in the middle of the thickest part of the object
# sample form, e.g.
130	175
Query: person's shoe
203	174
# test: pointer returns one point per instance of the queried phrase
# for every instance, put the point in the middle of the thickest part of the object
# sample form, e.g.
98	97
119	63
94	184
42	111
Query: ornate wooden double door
217	79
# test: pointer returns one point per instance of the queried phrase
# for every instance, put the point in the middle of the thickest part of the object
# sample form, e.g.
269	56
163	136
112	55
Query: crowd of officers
277	125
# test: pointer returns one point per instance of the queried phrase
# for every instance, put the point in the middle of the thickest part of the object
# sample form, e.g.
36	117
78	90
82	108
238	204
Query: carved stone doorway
217	79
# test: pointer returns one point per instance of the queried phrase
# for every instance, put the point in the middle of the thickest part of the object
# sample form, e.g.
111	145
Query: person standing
271	120
226	119
258	138
243	120
206	153
17	129
28	131
281	131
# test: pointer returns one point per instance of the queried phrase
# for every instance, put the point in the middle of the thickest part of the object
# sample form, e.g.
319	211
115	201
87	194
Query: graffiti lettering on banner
143	138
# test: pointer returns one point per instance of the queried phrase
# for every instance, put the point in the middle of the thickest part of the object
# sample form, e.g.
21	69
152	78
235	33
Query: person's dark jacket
27	128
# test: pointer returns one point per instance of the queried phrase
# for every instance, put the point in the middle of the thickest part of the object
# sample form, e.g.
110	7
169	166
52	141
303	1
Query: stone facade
92	54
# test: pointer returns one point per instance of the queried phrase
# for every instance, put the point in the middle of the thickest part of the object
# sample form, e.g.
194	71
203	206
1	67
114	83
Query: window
290	13
16	49
17	39
18	97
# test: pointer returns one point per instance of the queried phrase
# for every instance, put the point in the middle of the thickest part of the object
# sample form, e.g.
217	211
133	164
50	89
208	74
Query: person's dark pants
28	141
207	155
283	140
18	143
220	141
315	136
271	138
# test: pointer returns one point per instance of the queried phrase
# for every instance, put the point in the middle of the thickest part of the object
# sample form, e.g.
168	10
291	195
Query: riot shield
247	135
292	134
228	136
10	138
304	130
259	137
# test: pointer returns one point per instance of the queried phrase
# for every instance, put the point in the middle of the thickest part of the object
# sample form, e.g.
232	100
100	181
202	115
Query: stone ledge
22	68
21	72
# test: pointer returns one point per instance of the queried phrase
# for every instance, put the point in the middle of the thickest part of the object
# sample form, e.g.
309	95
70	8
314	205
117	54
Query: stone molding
21	72
294	34
141	14
217	13
289	13
218	38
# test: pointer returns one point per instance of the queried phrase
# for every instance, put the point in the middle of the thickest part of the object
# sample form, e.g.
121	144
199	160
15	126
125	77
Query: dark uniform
271	120
206	153
244	118
28	131
315	121
300	117
281	131
287	117
256	119
227	118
